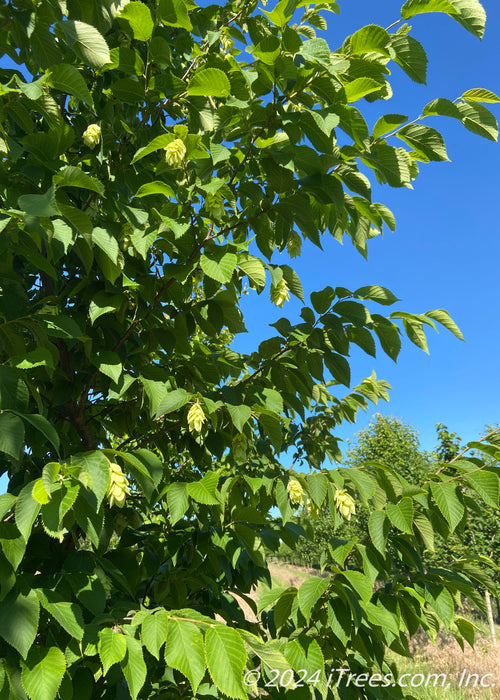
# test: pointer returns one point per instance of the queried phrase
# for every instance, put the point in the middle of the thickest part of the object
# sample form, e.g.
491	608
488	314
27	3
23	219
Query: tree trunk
489	613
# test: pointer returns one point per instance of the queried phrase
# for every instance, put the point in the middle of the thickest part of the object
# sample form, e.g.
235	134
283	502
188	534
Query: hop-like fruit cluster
92	135
196	418
214	205
294	244
280	293
175	152
118	486
240	448
295	492
345	504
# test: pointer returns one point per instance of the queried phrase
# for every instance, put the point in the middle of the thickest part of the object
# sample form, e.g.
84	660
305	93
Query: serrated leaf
62	499
254	269
43	672
317	485
87	43
479	120
155	187
442	107
68	615
219	268
374	292
39	492
226	660
19	620
26	510
370	38
174	13
11	435
444	318
447	501
310	592
154	631
69	176
133	666
172	402
39	204
416	7
388	123
96	466
486	485
107	243
67	79
184	650
338	366
378	528
410	56
401	514
139	17
209	82
239	415
480	95
204	491
177	500
424	526
360	583
44	427
425	141
112	648
359	87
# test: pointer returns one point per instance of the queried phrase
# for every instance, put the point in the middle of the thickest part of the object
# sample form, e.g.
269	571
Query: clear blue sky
446	249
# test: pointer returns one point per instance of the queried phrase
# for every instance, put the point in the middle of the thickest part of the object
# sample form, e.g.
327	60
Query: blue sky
445	252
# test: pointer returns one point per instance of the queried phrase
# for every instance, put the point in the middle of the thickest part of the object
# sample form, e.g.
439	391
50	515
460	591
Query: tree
386	440
155	156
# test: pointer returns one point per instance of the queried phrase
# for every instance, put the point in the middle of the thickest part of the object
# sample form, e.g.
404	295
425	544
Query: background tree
150	148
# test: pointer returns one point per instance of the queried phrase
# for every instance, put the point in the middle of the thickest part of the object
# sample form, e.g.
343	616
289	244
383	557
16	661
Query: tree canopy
155	157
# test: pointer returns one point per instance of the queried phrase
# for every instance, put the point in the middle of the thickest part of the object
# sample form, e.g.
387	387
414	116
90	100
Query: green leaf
13	390
253	268
388	123
102	304
19	620
184	650
155	187
219	267
442	107
416	7
11	435
359	87
68	615
43	672
139	17
62	499
360	583
378	527
155	145
96	466
154	631
377	615
39	204
70	176
109	364
112	648
226	660
445	496
415	332
401	514
12	544
174	14
172	402
480	95
427	143
209	82
444	318
410	56
317	485
374	292
239	415
87	43
39	492
204	491
177	500
133	666
41	357
338	366
310	592
44	427
7	501
424	526
26	510
370	38
479	120
68	80
486	485
107	243
316	50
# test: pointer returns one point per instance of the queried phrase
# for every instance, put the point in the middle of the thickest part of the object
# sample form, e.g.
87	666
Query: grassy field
462	668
